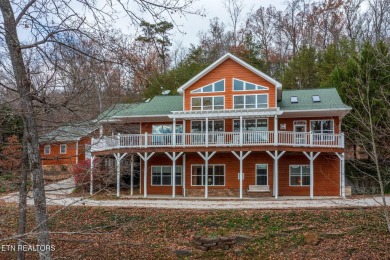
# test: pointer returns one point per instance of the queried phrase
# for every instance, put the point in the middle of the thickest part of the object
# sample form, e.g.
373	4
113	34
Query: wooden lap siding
326	175
225	71
69	158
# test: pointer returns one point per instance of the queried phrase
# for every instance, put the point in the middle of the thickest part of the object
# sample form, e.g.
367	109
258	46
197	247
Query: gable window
261	174
207	103
162	176
46	149
251	101
215	175
218	86
240	85
62	148
299	175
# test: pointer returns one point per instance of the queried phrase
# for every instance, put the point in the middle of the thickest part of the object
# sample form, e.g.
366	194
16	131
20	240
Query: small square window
46	149
62	148
316	98
294	99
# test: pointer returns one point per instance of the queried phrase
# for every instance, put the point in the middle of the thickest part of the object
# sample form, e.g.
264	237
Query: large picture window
251	101
213	126
323	129
207	103
162	176
261	174
216	175
260	124
299	175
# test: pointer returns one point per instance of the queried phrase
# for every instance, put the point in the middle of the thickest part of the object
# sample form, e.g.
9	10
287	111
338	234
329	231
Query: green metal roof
69	132
329	97
159	105
114	110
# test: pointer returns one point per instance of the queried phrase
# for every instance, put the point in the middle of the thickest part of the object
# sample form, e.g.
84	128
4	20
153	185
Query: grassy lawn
132	233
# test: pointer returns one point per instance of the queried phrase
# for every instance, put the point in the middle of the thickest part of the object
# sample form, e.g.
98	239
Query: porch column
276	156
145	158
174	132
241	132
118	159
342	174
77	152
206	157
183	170
173	157
91	176
183	138
132	174
276	130
311	157
207	132
241	157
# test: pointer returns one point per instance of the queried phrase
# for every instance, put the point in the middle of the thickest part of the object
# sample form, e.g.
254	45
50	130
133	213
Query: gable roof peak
226	56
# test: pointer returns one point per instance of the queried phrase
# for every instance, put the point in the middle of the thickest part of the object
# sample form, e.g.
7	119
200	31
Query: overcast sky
214	8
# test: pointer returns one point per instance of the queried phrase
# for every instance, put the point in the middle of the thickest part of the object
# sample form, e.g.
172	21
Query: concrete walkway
57	195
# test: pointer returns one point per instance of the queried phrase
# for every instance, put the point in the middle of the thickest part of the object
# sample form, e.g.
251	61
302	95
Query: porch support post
77	152
207	132
91	176
173	157
276	156
311	157
145	158
206	159
183	138
132	174
241	157
342	174
174	132
183	170
276	130
118	159
241	132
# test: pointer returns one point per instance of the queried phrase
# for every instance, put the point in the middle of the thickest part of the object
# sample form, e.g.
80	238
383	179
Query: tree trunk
23	200
30	127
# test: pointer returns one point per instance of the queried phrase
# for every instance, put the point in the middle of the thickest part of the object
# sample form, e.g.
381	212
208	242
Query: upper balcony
218	139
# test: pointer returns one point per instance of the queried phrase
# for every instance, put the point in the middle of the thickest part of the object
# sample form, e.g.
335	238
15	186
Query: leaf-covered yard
134	233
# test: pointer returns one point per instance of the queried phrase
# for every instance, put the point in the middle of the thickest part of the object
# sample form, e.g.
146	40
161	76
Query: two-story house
233	131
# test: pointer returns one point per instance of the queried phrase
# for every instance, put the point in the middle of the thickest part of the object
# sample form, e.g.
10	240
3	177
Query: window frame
63	145
44	149
256	103
211	122
161	175
263	88
300	175
244	121
213	175
202	106
330	120
266	164
212	88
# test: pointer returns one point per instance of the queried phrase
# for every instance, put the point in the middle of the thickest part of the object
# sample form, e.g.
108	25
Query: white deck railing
219	139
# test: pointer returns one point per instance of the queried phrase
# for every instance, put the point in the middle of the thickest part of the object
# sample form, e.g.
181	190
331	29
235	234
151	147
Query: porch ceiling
226	113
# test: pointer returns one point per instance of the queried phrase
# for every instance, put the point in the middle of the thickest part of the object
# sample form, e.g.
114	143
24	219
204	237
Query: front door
299	132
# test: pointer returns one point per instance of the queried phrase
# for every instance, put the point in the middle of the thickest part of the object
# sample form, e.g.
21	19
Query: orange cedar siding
56	158
326	175
228	70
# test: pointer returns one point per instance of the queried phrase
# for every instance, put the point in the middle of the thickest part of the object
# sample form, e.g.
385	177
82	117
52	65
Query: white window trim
323	120
267	88
210	122
44	149
254	94
157	185
243	120
201	103
224	174
289	175
212	86
256	172
65	148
